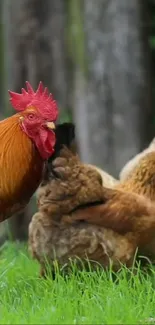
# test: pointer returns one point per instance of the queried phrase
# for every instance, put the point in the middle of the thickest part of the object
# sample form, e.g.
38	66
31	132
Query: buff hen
132	163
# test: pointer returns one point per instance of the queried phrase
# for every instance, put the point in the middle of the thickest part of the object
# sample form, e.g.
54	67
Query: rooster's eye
31	116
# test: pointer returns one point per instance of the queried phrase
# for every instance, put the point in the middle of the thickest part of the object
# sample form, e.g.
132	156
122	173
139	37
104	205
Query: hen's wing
123	212
69	186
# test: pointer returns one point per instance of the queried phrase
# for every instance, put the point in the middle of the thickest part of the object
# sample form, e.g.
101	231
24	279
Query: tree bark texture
36	45
114	113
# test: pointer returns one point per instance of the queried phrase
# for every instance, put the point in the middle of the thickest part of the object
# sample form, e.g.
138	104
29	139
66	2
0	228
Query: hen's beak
50	125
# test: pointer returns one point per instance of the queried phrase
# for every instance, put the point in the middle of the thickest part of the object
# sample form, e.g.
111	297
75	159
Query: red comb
41	100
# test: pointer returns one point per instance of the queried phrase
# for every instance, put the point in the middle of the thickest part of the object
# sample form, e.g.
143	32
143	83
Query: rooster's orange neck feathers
26	164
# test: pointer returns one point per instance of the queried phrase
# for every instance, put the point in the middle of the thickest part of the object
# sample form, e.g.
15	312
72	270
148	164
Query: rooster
27	140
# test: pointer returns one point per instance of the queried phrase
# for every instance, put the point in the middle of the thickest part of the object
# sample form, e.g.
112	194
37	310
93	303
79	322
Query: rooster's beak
50	125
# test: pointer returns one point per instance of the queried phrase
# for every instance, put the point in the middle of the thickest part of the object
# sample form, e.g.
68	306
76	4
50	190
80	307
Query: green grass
85	298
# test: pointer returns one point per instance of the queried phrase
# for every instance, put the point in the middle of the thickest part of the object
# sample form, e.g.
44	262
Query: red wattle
45	142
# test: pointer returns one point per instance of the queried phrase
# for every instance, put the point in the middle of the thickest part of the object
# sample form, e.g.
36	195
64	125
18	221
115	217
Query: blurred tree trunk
1	63
113	111
35	33
35	47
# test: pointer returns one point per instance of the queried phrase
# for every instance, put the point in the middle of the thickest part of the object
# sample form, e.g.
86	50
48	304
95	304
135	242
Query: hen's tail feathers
65	137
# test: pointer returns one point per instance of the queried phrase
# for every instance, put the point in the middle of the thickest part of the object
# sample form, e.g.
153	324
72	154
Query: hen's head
37	113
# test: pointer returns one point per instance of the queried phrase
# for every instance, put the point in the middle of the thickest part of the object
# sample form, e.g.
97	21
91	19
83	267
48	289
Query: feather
20	174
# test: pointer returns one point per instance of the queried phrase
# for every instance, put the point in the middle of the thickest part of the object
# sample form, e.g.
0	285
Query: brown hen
65	228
